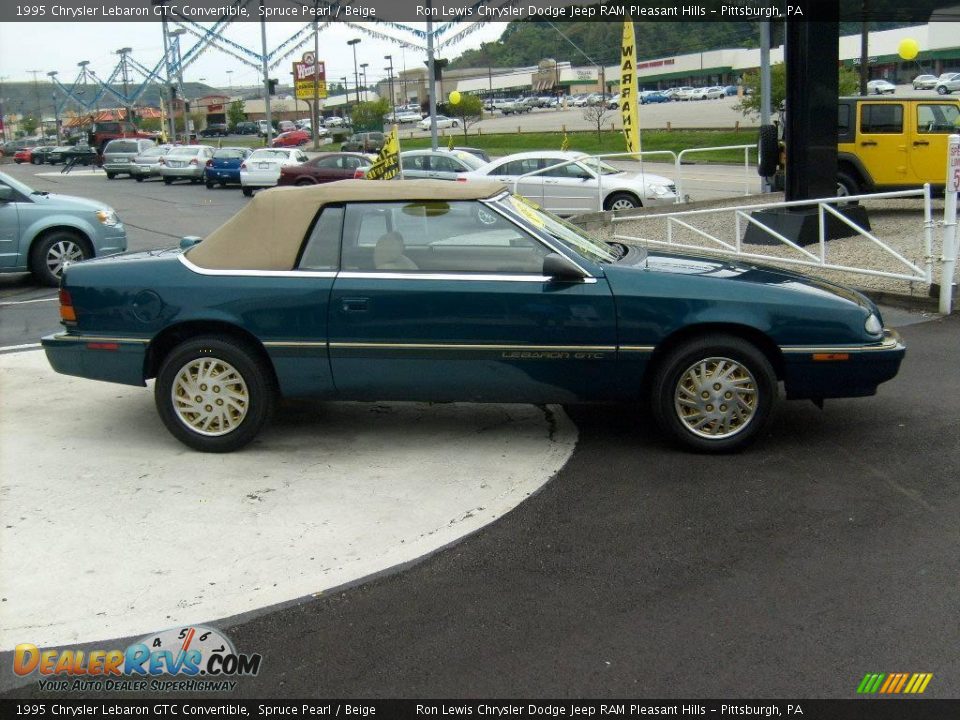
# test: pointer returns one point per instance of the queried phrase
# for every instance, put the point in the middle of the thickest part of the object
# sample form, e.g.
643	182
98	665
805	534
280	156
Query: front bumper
841	371
117	360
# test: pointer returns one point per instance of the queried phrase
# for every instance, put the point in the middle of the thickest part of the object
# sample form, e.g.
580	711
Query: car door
444	167
935	122
457	308
10	228
415	166
882	143
513	173
569	189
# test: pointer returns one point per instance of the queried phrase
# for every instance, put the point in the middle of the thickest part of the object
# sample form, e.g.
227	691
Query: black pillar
811	55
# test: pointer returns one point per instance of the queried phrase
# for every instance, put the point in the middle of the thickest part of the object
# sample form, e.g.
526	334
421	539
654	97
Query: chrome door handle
355	304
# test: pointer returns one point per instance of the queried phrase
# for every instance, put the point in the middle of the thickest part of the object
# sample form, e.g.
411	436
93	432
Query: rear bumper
842	371
223	175
111	359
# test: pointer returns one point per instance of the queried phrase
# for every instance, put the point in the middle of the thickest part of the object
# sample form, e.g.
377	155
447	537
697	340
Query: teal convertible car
437	291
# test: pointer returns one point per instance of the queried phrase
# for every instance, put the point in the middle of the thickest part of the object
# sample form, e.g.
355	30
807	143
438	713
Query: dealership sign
304	74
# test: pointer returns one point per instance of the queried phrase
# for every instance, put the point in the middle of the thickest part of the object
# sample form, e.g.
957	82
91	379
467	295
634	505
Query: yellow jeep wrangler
893	143
883	143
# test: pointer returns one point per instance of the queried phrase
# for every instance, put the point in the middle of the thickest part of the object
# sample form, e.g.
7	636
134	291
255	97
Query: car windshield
184	151
155	152
596	164
570	235
471	161
15	184
122	146
229	154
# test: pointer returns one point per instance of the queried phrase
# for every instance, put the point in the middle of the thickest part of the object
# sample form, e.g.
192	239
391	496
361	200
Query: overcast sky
60	46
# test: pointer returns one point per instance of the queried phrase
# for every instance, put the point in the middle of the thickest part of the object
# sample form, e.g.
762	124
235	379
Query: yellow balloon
454	97
908	48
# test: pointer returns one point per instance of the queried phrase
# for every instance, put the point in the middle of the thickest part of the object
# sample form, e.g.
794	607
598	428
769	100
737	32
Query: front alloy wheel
49	256
214	394
714	393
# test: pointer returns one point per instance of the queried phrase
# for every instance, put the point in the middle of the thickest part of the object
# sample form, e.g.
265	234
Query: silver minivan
118	155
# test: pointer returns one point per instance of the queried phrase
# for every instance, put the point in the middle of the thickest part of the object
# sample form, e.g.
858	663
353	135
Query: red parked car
325	168
294	138
23	155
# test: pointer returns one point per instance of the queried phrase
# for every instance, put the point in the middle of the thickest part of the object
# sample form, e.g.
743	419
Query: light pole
266	74
393	104
175	34
3	127
363	66
56	112
230	80
356	75
122	52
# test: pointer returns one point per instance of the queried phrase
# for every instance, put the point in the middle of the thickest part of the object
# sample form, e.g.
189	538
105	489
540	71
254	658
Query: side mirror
557	267
188	241
6	193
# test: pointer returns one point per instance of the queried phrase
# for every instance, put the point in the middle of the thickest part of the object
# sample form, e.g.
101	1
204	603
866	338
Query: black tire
714	354
622	201
111	176
847	185
768	151
251	401
138	178
455	124
942	90
248	192
50	252
303	182
168	181
209	184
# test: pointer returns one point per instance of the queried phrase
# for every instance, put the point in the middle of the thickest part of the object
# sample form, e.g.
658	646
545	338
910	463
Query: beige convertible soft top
268	232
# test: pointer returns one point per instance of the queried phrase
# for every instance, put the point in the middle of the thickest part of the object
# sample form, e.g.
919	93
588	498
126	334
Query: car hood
699	268
69	203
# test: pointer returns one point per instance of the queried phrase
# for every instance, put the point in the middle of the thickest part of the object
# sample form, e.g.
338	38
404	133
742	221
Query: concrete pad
112	528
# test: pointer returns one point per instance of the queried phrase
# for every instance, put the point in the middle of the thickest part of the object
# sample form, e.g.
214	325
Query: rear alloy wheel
214	394
942	90
847	185
621	201
714	394
49	255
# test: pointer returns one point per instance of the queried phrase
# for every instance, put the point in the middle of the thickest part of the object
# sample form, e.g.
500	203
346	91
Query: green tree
749	105
236	113
468	111
29	125
368	116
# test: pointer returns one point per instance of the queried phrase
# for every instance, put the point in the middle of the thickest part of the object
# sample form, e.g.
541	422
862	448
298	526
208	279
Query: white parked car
334	121
407	116
684	93
442	122
262	168
924	82
614	102
881	87
578	183
711	93
438	164
947	83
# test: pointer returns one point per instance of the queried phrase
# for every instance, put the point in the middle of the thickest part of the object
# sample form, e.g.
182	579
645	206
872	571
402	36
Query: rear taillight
243	166
193	162
67	313
209	163
358	174
161	162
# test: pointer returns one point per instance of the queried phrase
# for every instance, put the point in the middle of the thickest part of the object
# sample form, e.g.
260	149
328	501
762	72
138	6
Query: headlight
659	190
873	326
107	217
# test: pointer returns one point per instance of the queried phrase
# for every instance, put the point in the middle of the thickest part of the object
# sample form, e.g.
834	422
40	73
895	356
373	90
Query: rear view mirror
6	193
188	241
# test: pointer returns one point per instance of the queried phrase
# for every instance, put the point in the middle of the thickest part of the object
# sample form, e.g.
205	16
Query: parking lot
616	565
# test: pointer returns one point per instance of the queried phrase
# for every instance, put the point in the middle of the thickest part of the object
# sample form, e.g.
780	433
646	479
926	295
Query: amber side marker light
103	346
830	357
67	313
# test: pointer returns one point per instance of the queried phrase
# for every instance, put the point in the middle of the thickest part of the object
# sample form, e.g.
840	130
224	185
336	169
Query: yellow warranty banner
629	109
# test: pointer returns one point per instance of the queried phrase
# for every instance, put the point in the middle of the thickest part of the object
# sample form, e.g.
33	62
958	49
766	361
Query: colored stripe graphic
894	683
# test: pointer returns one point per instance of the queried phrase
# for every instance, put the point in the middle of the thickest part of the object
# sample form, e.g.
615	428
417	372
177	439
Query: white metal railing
748	176
818	259
675	158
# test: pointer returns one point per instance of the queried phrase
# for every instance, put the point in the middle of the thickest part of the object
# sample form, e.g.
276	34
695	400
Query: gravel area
897	222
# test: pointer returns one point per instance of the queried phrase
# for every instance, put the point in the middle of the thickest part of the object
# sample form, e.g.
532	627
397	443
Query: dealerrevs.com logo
201	658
